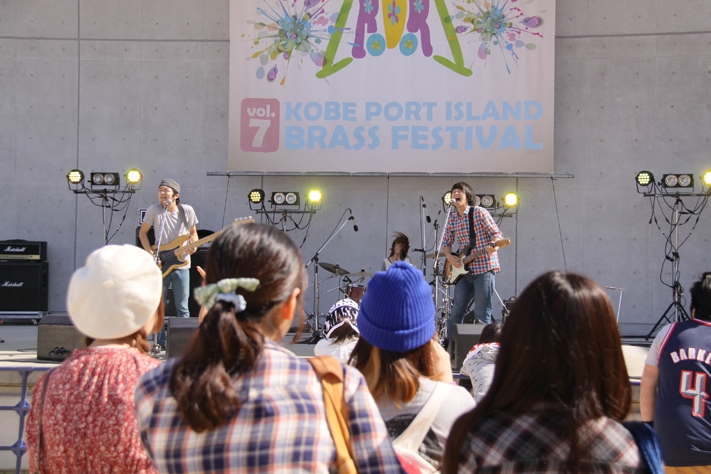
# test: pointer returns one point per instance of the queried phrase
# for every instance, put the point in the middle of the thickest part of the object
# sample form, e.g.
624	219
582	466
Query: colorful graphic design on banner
392	86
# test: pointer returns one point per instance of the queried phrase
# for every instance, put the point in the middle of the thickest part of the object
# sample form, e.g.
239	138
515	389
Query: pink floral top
89	419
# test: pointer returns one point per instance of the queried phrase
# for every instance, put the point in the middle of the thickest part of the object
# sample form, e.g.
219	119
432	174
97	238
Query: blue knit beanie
397	311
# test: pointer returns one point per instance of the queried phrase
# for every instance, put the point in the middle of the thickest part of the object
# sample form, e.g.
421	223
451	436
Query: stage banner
432	86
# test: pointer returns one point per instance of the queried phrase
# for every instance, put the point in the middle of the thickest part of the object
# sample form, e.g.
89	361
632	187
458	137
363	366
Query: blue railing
22	408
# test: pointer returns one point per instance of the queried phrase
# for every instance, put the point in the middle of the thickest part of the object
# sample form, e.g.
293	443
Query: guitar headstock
502	243
243	220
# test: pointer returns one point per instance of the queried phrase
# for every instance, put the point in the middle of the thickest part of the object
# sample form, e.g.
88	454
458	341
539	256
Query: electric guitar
452	274
173	255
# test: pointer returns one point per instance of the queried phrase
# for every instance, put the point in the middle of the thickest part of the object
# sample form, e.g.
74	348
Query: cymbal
361	273
333	268
433	255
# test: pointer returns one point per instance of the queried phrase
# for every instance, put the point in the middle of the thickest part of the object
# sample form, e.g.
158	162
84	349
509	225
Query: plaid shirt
486	231
280	428
534	443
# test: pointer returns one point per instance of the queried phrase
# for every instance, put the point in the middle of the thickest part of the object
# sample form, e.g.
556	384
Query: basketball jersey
682	415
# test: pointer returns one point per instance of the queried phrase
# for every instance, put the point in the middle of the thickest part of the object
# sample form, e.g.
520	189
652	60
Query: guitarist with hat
478	282
170	220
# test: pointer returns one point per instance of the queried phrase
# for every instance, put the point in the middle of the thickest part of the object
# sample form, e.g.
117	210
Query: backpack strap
648	443
415	433
330	371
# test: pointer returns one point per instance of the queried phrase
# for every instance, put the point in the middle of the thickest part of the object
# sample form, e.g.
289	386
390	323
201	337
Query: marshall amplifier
23	250
23	286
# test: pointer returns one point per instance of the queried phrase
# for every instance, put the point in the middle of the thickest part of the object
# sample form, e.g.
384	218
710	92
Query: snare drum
355	292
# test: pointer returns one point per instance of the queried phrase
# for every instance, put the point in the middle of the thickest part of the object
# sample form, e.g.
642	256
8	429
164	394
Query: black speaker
23	286
464	337
57	337
180	332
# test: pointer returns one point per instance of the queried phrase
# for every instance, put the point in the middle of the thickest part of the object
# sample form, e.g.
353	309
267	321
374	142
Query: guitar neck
474	255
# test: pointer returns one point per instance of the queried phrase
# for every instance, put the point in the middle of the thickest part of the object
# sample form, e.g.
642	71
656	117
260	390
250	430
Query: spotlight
706	178
510	199
485	200
447	198
133	176
278	198
678	180
256	196
292	198
644	178
315	196
75	176
107	179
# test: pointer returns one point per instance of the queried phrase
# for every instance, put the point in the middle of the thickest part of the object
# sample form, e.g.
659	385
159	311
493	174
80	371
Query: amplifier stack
23	277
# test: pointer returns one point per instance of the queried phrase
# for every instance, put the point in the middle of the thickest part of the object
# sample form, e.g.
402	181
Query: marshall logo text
13	284
10	248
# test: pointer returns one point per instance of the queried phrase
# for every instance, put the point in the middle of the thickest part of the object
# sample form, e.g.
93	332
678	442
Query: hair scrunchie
224	290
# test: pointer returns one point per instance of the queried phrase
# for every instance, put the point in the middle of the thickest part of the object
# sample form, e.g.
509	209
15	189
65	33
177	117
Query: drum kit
348	282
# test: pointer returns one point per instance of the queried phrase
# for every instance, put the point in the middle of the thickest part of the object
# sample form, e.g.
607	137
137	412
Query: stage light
706	178
510	199
256	196
133	176
106	179
278	198
644	178
485	200
315	196
75	176
678	180
292	198
447	198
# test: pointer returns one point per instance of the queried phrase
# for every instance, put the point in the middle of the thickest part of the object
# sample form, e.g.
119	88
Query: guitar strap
181	211
472	232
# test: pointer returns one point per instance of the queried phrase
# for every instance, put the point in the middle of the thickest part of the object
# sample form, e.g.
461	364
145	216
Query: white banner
451	86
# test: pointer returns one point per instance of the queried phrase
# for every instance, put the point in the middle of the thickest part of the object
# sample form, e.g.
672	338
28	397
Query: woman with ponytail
239	402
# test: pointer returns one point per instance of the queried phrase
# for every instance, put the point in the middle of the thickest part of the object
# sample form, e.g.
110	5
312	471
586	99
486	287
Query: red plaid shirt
486	232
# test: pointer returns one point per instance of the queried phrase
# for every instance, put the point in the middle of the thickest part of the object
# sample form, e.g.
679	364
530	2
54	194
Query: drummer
398	250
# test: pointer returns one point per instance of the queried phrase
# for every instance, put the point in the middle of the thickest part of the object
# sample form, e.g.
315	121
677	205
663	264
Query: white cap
116	293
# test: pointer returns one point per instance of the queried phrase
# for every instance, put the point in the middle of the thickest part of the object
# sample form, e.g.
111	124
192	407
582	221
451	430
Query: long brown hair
400	238
228	344
560	346
393	375
139	339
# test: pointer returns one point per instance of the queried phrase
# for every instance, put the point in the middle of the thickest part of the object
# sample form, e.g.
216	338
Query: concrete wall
105	85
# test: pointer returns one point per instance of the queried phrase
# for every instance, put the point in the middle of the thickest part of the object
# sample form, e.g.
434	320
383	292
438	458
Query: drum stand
315	334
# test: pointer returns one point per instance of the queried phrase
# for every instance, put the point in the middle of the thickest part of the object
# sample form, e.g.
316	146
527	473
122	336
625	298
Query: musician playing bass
478	282
170	220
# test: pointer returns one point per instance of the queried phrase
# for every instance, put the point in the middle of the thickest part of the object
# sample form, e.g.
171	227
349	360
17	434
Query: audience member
340	331
677	366
237	401
398	251
402	361
84	409
560	389
479	363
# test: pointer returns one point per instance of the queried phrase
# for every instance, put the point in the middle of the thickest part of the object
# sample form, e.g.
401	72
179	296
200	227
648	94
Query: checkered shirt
486	232
535	444
281	426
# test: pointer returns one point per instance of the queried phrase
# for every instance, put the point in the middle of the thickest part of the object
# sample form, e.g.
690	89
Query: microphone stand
315	336
436	258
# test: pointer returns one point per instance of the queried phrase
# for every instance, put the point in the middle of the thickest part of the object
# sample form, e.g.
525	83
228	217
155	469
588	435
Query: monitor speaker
23	286
180	332
57	337
464	336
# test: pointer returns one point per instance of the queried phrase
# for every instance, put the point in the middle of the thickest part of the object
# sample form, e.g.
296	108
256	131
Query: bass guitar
173	255
452	274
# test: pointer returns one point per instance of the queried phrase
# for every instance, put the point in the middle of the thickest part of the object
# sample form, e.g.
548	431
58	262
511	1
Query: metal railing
22	408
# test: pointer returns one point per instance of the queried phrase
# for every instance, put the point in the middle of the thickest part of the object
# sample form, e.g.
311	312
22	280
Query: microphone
424	206
168	203
355	226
